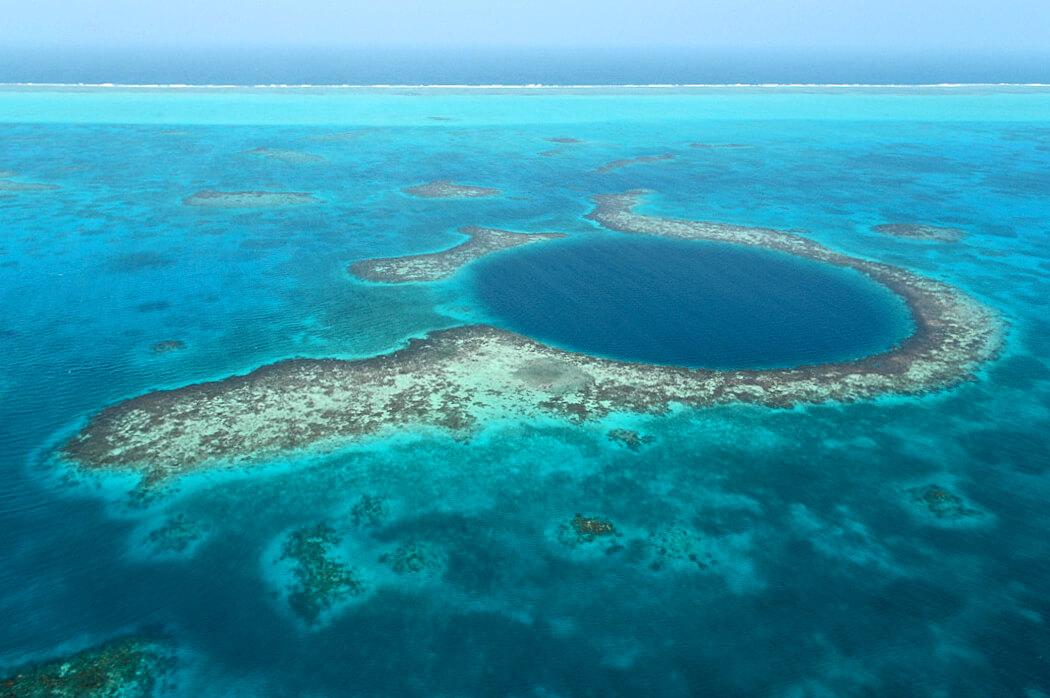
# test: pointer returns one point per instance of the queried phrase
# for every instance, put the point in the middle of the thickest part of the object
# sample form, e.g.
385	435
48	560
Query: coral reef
718	146
249	199
940	502
458	378
369	511
413	558
11	186
677	543
916	231
627	162
439	265
167	346
445	189
321	580
127	667
177	535
294	157
631	439
585	529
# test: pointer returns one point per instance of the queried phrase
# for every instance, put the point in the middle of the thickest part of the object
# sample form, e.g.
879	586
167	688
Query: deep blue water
690	304
829	580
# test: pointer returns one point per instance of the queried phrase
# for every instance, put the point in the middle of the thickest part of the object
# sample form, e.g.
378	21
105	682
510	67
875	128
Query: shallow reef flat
130	667
627	162
919	231
458	379
445	189
250	199
294	157
440	265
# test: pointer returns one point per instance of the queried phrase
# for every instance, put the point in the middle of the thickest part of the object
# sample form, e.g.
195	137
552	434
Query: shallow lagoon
829	564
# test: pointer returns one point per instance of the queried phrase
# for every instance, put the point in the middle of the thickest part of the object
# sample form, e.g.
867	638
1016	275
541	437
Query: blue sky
959	25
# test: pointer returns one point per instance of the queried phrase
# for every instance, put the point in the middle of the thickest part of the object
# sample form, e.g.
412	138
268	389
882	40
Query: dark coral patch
445	189
631	439
919	231
321	580
130	667
627	162
168	346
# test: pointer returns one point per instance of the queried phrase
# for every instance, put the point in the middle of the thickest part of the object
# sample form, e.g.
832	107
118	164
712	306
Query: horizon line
504	86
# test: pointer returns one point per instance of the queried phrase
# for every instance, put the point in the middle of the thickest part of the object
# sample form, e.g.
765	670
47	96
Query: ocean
892	546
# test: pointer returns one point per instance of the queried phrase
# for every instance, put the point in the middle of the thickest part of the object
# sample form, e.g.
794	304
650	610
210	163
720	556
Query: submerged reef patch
176	536
139	261
11	186
414	558
294	157
940	503
680	544
585	529
250	199
321	580
168	346
445	189
629	438
369	511
130	667
458	378
918	231
718	146
627	162
439	265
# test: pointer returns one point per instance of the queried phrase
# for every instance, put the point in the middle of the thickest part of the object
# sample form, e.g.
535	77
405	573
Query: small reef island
457	379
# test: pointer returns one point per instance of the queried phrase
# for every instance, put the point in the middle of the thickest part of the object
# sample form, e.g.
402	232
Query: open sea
800	561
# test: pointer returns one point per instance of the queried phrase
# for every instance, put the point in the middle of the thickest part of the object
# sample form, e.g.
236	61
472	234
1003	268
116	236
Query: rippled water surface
784	552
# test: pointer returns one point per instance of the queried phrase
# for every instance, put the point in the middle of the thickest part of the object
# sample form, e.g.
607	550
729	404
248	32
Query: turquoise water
823	573
690	304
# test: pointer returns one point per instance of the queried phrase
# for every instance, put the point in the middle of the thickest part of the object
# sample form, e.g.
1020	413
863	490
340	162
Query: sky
881	25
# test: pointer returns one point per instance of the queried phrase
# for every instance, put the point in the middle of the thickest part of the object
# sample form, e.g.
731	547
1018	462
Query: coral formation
631	439
627	162
459	378
167	346
439	265
321	580
940	502
294	157
128	667
9	185
412	558
445	189
918	231
176	535
249	199
369	511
